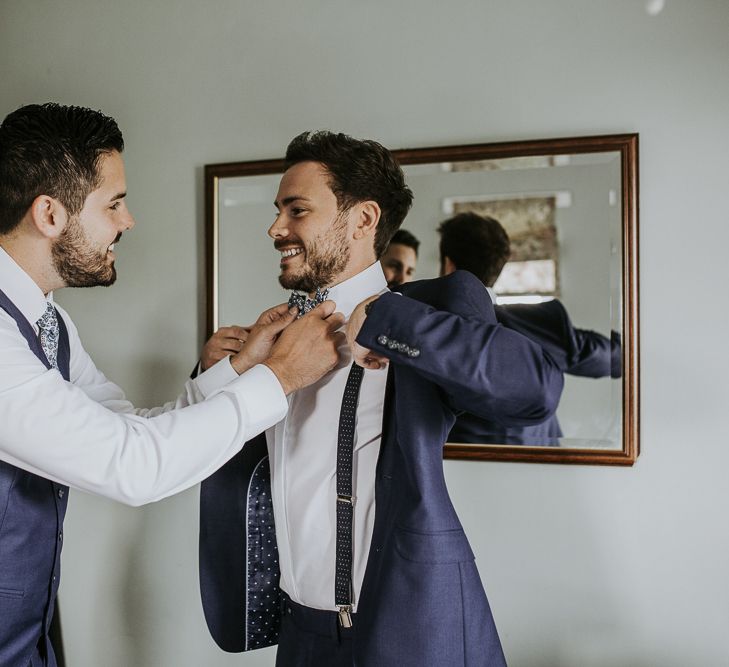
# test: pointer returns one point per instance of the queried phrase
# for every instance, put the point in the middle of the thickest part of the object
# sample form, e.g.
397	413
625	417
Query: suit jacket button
382	339
393	344
414	352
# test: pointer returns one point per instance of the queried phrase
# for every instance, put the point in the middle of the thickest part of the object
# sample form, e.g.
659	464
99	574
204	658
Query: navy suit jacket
422	601
575	351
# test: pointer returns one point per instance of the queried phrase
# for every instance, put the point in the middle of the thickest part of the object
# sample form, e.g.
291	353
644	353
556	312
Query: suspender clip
345	616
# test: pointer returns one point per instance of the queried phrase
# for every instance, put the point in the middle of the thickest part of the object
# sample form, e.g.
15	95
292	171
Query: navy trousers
313	638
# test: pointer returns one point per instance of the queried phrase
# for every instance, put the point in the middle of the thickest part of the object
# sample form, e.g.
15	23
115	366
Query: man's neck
28	257
353	268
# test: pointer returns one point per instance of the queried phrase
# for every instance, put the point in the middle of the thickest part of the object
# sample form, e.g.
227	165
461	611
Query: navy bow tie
304	303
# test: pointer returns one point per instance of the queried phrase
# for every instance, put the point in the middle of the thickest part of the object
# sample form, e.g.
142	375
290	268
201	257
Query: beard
326	257
77	262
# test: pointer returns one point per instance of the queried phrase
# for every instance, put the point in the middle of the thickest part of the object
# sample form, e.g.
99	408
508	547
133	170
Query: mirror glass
570	209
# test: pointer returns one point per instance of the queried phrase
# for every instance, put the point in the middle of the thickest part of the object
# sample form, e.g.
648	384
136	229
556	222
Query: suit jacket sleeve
576	351
483	367
596	356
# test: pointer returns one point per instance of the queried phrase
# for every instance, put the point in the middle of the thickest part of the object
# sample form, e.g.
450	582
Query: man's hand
261	336
225	341
307	349
361	355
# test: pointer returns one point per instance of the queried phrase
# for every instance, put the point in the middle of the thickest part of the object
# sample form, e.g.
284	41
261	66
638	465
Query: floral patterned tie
48	326
304	303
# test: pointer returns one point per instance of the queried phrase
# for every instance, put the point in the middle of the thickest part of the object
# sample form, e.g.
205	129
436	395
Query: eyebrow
289	200
120	195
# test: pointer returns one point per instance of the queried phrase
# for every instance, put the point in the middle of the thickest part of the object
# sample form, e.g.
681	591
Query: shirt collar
21	289
492	294
350	293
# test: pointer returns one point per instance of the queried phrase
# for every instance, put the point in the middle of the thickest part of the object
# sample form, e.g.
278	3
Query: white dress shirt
303	458
84	433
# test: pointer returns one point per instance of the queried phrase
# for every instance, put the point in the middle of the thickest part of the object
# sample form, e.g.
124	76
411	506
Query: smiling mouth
288	253
110	249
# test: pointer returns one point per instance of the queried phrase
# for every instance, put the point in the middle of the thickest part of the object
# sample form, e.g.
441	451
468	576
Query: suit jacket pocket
446	546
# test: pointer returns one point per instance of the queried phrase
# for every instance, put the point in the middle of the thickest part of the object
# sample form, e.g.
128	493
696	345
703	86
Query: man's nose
278	229
129	222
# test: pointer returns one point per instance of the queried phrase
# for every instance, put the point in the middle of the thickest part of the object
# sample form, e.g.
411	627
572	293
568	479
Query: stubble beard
77	262
326	257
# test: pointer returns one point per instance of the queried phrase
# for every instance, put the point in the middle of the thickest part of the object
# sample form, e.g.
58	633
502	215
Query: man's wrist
240	363
276	368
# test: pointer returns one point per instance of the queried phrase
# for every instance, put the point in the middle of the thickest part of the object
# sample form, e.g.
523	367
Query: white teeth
291	252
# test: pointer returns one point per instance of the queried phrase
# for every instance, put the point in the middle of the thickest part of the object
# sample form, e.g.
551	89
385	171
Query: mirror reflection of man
379	571
400	259
480	245
62	212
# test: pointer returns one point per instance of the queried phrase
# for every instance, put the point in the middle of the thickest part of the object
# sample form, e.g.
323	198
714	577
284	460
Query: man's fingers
335	321
236	332
325	309
281	321
339	338
240	333
273	314
367	358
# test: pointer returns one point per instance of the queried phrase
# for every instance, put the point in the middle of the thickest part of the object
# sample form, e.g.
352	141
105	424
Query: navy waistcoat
31	534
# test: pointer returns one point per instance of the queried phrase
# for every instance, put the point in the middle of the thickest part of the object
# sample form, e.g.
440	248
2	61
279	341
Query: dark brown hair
475	243
54	150
406	238
360	170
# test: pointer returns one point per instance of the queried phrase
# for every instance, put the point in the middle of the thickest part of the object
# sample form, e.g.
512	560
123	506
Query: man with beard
351	552
62	210
400	259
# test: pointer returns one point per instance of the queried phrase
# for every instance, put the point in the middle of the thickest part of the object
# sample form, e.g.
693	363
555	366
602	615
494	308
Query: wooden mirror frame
627	146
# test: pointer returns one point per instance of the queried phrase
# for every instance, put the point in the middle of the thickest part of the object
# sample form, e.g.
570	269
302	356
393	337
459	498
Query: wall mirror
570	207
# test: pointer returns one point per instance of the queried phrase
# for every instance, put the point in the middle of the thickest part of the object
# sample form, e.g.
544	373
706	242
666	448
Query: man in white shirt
374	567
62	209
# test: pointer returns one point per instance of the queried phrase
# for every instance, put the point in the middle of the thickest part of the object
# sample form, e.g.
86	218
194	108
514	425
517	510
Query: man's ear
48	216
367	216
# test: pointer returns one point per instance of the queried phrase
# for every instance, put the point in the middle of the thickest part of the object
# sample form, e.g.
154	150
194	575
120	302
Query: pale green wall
585	567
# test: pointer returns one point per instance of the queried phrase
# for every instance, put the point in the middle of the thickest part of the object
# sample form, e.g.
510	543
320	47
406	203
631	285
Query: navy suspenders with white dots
345	499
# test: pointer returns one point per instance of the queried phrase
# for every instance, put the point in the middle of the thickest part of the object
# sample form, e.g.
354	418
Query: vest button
60	536
60	493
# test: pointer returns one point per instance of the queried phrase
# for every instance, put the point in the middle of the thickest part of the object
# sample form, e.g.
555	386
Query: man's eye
298	211
114	206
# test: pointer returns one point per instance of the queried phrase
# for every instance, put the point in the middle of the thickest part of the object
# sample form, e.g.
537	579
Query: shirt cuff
216	377
260	394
